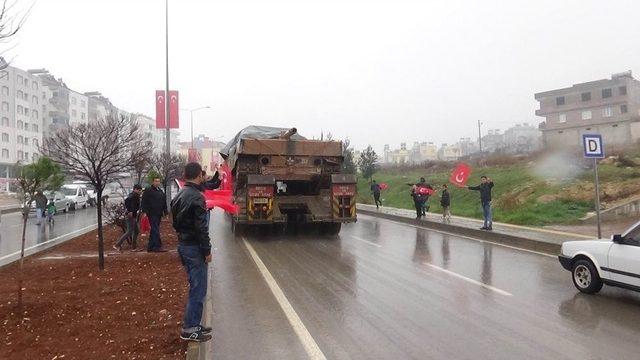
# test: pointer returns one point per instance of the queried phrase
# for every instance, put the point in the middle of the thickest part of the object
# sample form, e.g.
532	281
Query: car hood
571	248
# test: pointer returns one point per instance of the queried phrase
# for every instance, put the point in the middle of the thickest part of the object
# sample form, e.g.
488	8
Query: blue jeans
196	268
486	213
132	232
154	238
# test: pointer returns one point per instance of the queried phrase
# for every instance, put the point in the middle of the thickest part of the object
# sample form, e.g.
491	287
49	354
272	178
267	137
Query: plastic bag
145	225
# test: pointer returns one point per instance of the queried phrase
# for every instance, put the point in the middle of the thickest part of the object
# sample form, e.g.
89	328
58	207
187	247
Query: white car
614	262
76	194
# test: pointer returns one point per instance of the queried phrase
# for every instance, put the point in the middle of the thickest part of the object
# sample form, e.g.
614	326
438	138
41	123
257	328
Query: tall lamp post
192	111
167	110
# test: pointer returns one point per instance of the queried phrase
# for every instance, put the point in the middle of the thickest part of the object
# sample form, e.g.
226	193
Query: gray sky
374	71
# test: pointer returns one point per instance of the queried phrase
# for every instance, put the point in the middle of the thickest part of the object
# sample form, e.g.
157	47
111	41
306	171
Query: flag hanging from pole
161	107
174	111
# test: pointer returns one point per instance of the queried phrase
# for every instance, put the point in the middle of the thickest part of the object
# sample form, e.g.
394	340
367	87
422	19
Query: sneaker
116	247
483	228
195	336
205	329
489	228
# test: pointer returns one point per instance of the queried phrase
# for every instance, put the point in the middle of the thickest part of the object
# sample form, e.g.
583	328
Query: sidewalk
537	239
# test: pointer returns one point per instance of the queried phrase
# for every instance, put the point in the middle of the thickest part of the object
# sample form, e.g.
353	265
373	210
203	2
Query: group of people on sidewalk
153	204
422	191
44	208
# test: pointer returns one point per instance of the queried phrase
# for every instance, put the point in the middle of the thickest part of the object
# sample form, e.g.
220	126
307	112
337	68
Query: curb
199	351
511	240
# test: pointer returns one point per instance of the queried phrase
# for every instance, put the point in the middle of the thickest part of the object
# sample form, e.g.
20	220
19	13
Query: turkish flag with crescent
174	112
460	175
161	107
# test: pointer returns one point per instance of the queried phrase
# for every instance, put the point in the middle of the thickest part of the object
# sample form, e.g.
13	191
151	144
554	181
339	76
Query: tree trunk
25	215
100	234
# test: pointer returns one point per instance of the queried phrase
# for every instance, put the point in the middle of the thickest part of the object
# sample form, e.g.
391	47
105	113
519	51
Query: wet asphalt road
385	290
65	223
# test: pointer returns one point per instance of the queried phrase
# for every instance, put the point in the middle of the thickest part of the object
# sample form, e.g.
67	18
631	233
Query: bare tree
168	168
97	152
141	167
11	21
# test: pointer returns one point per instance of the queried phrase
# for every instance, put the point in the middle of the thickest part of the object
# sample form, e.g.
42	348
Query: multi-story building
20	117
208	151
493	141
157	136
522	138
449	152
609	107
399	156
64	106
467	146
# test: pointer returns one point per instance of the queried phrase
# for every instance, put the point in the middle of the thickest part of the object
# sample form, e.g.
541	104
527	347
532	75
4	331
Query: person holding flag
420	193
375	191
485	200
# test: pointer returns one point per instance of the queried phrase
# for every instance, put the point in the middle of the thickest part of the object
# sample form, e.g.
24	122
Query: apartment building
609	107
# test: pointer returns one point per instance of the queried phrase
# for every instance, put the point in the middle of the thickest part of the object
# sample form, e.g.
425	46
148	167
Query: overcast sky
377	72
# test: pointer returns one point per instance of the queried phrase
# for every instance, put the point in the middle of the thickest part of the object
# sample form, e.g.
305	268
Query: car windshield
68	191
634	233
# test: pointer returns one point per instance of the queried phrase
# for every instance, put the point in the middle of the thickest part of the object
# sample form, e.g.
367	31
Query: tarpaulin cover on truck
252	132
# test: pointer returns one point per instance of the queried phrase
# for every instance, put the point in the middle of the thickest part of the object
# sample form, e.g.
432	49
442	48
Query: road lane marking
48	241
309	344
471	238
365	241
475	282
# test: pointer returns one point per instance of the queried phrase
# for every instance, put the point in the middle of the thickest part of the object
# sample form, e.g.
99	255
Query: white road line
365	241
471	238
309	344
475	282
49	241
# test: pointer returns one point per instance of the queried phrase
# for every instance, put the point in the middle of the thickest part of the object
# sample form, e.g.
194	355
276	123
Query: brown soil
71	310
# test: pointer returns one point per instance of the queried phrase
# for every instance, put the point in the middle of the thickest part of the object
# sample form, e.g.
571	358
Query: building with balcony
609	107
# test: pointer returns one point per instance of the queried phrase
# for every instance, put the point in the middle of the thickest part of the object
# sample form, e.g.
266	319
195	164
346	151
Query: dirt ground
71	310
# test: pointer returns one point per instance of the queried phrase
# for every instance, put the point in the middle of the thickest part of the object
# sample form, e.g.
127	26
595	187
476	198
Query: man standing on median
485	199
132	207
375	191
189	213
154	204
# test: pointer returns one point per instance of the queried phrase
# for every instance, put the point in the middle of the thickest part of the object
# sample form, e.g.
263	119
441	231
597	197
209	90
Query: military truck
282	178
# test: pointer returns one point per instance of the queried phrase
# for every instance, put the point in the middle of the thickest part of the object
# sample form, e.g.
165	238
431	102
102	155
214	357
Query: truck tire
331	229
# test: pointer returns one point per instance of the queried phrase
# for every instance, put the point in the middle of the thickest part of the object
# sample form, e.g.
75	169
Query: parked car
76	194
59	199
614	262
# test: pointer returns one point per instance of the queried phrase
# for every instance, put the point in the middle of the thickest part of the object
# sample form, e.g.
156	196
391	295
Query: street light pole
167	101
191	111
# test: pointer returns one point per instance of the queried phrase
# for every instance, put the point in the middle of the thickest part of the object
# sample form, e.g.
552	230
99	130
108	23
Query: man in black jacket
445	202
132	207
189	220
154	204
485	199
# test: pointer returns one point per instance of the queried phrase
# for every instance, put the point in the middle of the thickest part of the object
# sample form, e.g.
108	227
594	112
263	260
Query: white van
76	194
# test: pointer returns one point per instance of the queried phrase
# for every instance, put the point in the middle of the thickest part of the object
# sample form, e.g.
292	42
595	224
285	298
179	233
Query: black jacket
154	202
189	218
485	191
445	199
132	203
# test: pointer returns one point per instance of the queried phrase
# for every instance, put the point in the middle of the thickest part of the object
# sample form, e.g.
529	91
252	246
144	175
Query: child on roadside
51	210
445	202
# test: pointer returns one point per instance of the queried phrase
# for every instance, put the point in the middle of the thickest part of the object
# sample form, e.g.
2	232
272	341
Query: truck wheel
585	277
331	229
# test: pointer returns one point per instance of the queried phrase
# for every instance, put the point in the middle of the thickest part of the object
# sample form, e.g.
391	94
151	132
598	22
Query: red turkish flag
161	107
174	122
383	186
194	155
460	175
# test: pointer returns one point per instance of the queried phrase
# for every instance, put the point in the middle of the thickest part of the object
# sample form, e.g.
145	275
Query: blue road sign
593	146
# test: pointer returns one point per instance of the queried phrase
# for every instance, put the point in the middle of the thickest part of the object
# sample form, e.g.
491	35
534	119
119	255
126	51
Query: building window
588	129
26	141
622	90
19	94
83	116
20	139
20	109
606	93
560	132
74	113
19	124
586	96
586	115
20	81
20	154
623	109
83	103
562	118
5	91
34	127
5	153
26	97
614	125
73	101
35	114
35	157
26	156
26	126
5	106
560	100
607	112
26	82
34	85
34	99
5	121
5	137
35	142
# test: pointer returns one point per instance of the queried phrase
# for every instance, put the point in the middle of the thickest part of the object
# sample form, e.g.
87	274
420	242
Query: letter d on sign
593	145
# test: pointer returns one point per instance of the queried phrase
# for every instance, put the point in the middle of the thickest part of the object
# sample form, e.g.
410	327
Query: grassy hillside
533	193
